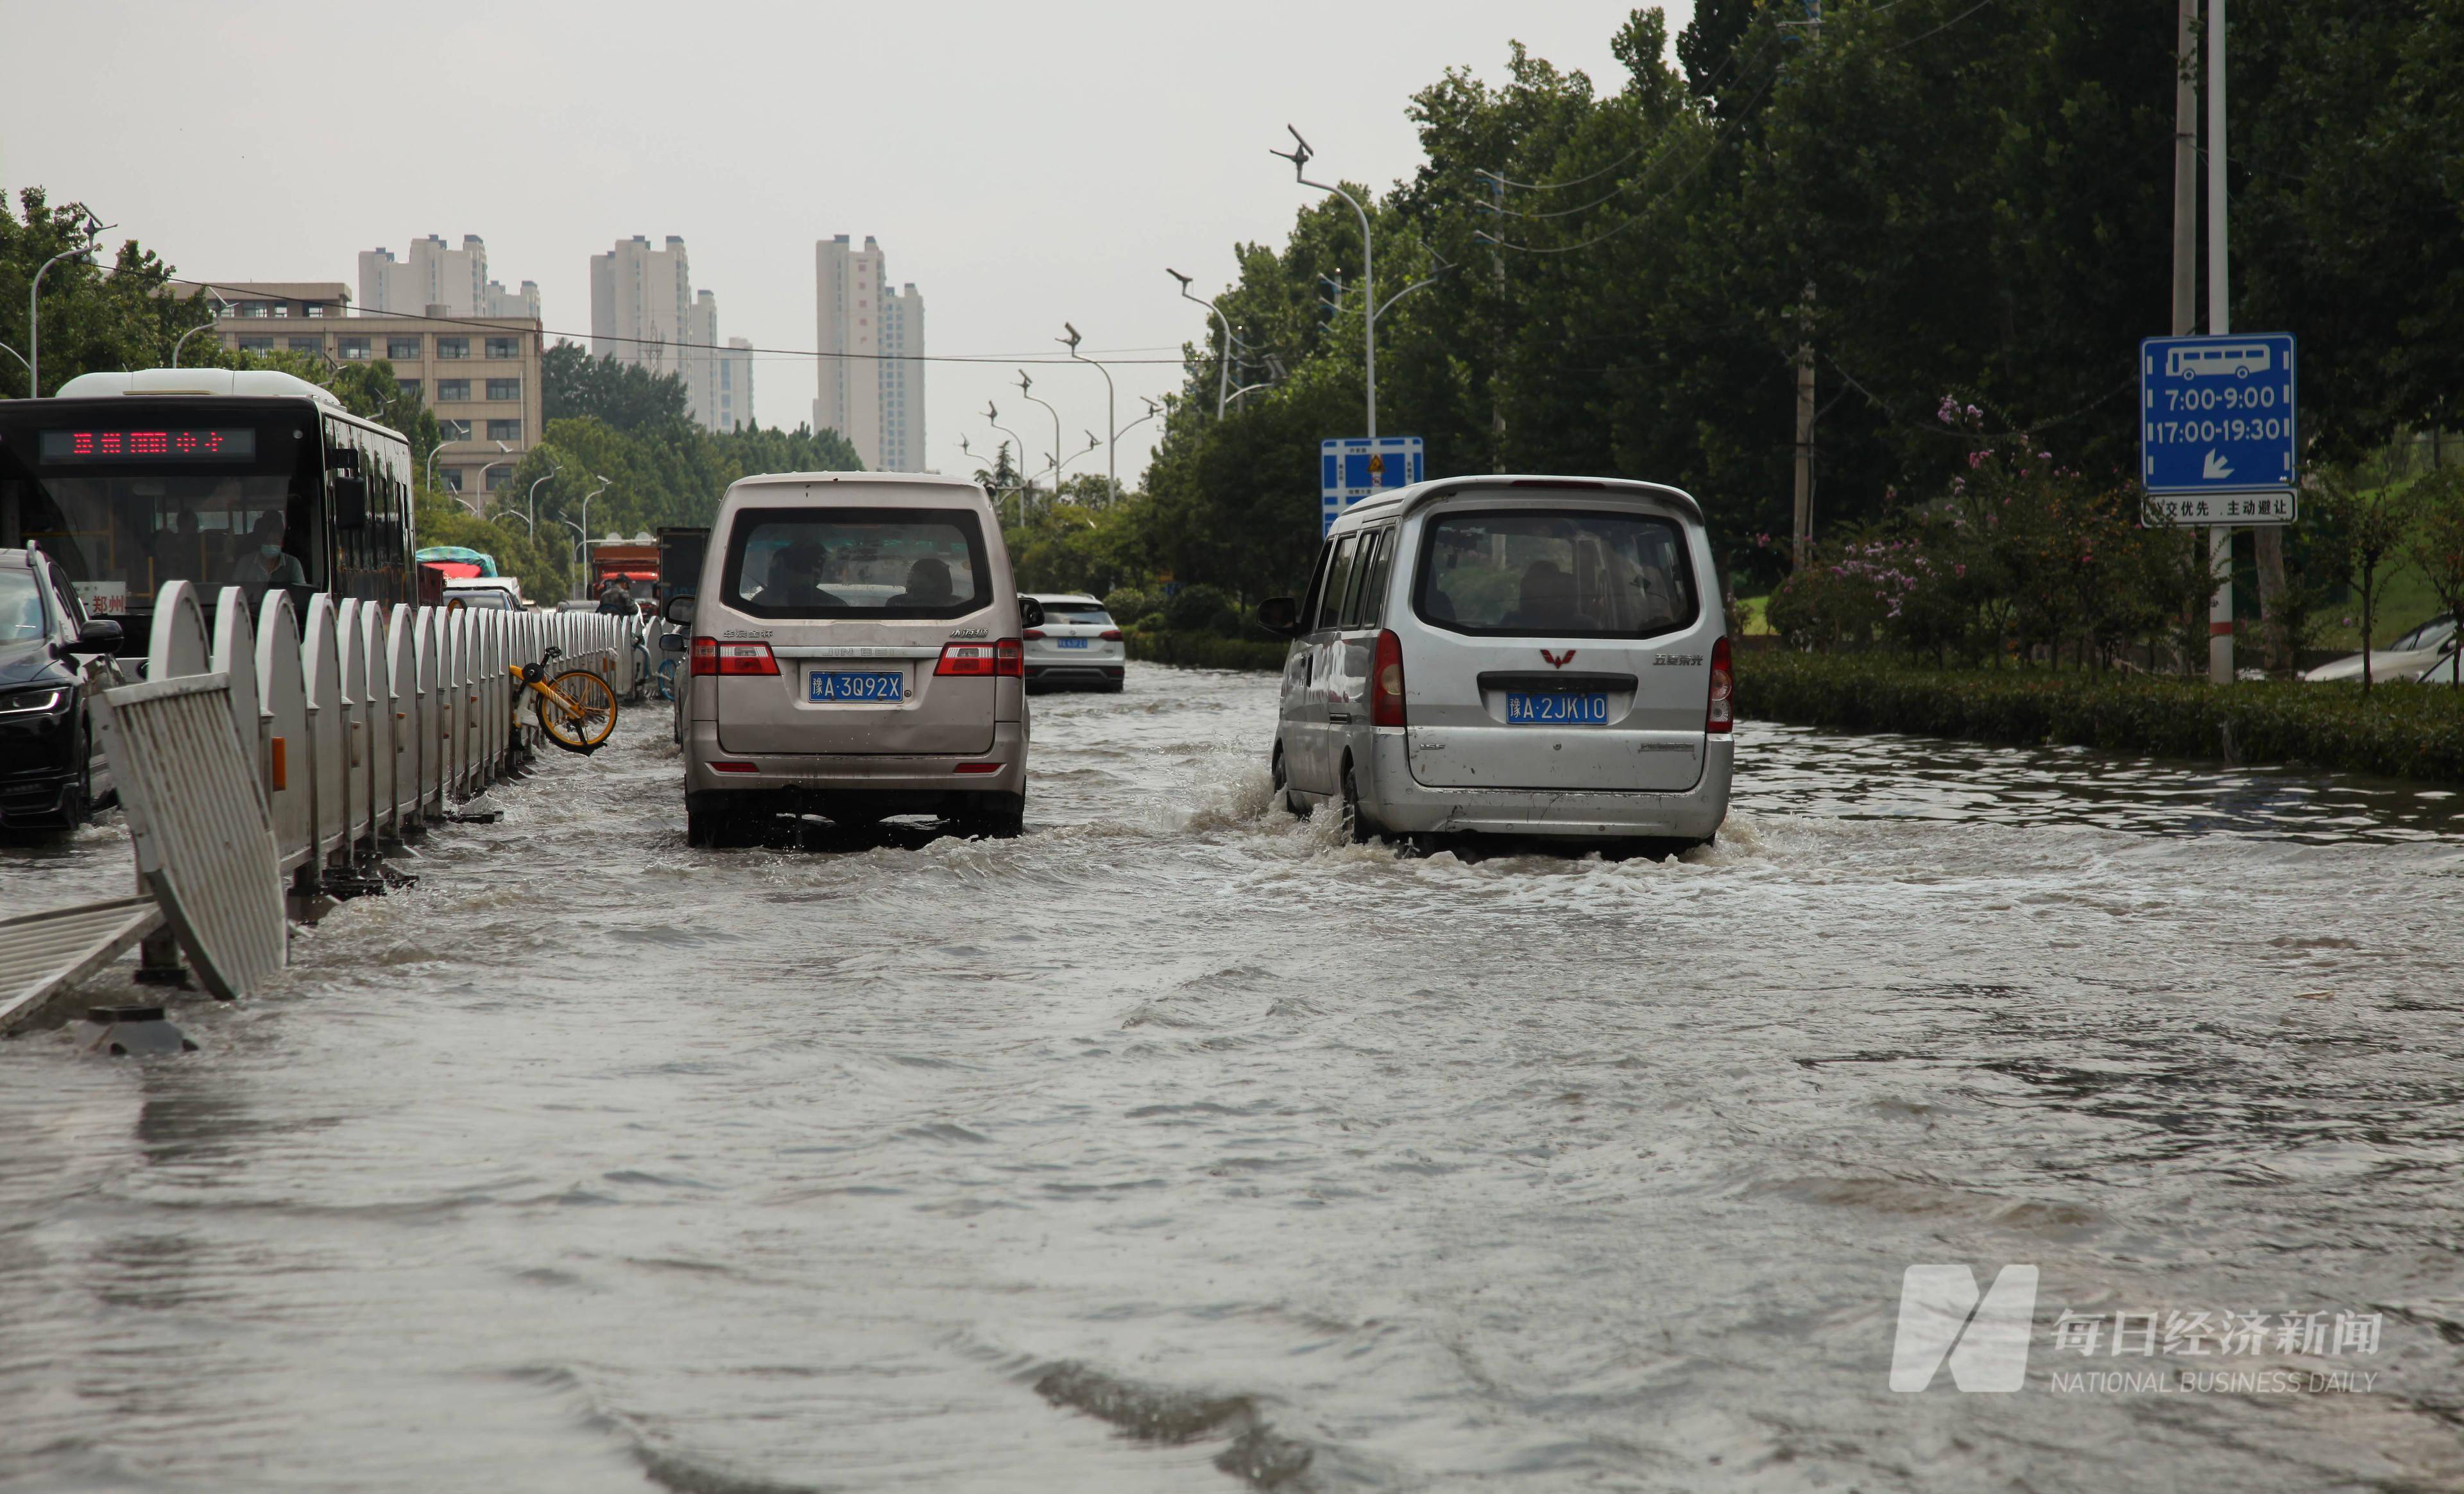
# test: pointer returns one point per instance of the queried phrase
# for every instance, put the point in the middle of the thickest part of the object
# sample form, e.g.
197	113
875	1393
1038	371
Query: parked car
2419	650
2443	672
53	772
1079	645
857	654
1520	656
497	593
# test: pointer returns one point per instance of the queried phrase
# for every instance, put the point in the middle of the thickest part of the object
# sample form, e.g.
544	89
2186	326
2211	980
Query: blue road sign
1352	467
2216	426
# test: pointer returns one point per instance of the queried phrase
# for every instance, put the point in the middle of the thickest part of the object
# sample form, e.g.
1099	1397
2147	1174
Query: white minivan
855	653
1518	656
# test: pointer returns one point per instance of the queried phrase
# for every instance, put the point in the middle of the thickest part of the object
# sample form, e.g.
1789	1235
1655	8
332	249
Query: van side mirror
350	502
1280	616
679	611
1030	612
99	633
672	643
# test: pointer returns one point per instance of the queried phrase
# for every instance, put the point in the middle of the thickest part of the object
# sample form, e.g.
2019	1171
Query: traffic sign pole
2220	638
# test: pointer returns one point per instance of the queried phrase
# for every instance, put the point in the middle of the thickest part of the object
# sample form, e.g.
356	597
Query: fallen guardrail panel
197	817
42	953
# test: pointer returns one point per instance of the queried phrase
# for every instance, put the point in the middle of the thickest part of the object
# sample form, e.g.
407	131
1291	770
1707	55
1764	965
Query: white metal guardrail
344	731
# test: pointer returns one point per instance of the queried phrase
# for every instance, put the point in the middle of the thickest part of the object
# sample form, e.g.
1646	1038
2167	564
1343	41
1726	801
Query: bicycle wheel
593	712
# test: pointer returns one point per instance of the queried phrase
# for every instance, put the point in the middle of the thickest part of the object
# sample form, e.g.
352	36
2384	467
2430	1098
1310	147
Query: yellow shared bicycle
577	709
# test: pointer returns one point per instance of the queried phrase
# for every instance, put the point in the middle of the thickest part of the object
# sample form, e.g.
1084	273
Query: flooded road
1177	1147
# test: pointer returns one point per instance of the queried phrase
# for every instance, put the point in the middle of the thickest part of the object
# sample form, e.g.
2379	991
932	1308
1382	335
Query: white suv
1079	645
1523	656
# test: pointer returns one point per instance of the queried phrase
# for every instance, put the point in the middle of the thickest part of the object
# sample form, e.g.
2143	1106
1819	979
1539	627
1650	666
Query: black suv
51	770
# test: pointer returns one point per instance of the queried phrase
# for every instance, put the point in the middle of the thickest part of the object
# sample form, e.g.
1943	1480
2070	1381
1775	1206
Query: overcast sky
1022	164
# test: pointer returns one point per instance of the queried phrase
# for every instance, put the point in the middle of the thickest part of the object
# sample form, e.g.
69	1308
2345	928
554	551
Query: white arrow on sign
2216	467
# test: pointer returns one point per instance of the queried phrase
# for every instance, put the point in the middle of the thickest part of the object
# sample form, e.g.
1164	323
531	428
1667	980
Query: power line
497	325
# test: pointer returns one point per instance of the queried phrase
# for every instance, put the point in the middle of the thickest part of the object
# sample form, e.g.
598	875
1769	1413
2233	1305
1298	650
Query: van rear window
856	563
1576	573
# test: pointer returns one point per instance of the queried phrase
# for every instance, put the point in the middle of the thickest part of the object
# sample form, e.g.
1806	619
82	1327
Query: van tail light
1386	682
1111	635
710	656
1003	656
1035	632
1723	715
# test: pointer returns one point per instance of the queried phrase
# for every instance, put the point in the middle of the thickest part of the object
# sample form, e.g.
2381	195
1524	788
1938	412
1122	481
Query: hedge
1207	652
2400	730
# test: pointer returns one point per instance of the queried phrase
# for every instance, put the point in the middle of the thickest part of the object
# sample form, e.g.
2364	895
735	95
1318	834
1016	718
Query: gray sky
1022	164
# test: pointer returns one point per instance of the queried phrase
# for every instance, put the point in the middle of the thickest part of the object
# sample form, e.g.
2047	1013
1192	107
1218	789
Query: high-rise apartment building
431	274
869	374
735	385
645	311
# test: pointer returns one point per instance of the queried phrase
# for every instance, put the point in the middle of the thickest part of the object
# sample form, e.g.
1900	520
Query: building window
453	479
402	350
306	344
313	309
452	388
352	348
504	347
504	388
256	344
251	308
453	347
277	308
409	387
504	431
499	478
454	431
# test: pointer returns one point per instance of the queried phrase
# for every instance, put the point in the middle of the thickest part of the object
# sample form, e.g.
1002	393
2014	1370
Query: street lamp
530	520
1025	484
1026	387
1222	365
1112	454
585	518
219	303
94	230
1299	156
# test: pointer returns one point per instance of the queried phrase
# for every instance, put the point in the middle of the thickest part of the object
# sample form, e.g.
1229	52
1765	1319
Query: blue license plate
1071	643
1556	708
839	686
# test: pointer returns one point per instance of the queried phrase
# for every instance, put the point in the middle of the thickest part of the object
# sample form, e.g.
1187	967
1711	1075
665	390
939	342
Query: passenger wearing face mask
266	564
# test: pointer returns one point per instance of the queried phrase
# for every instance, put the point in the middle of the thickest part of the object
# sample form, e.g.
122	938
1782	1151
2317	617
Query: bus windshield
124	510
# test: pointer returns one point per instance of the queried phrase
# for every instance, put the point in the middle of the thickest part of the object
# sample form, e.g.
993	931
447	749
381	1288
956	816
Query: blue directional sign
2217	427
1352	467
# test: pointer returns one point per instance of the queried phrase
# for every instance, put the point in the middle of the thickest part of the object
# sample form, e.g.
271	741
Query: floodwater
1177	1147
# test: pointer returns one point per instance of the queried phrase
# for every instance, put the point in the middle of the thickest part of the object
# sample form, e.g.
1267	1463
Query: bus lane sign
2218	429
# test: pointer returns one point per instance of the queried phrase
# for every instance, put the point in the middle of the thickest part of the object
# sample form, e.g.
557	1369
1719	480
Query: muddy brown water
1176	1146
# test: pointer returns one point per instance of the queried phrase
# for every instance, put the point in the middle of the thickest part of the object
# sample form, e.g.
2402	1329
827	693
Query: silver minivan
1519	656
855	648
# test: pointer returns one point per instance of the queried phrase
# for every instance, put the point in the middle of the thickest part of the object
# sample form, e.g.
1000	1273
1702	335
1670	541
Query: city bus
213	476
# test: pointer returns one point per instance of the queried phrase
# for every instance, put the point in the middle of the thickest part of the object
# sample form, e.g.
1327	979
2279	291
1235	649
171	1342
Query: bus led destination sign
231	443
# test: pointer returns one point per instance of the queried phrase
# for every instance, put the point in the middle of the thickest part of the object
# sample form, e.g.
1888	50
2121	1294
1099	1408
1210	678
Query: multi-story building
480	375
645	311
735	385
870	371
431	274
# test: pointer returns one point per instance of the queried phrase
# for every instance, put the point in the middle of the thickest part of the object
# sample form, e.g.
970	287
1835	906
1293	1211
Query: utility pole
1804	530
2220	639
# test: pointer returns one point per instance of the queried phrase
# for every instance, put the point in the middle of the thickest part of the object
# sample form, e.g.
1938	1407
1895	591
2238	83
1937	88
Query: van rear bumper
870	773
1399	805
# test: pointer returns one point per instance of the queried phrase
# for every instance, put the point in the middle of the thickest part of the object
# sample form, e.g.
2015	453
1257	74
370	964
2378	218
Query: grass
2399	730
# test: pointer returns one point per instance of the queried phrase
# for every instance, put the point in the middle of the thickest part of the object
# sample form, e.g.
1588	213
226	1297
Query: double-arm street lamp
1370	309
1222	365
1112	452
219	306
530	520
94	232
1026	388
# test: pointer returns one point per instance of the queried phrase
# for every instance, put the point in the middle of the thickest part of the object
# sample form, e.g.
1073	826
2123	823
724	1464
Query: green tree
2375	515
93	319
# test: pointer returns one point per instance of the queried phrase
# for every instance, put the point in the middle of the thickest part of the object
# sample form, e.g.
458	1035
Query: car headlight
26	702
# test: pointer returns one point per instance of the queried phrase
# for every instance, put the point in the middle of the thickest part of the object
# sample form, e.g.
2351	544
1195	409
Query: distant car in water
1079	645
2409	657
53	772
488	593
